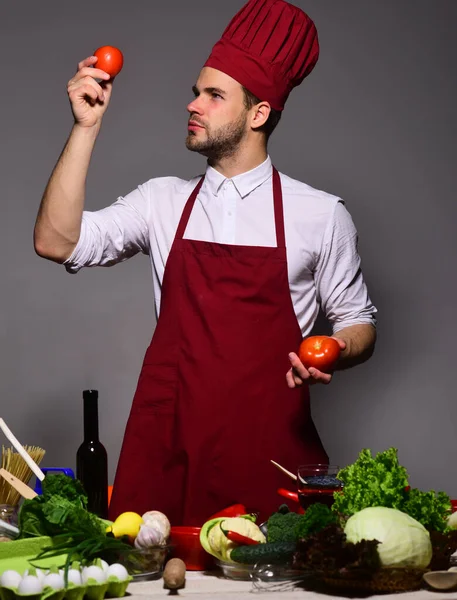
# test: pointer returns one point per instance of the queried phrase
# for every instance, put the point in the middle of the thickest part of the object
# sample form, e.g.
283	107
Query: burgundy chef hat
269	47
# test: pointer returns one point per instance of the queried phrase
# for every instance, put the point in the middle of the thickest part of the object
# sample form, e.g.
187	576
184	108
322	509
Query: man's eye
216	95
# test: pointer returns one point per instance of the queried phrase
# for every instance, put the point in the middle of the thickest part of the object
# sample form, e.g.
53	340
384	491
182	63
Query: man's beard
222	143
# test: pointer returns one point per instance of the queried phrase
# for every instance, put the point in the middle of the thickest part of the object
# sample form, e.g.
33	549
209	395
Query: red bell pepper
236	510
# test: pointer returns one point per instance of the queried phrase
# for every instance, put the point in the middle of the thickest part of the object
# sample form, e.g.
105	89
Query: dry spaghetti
13	462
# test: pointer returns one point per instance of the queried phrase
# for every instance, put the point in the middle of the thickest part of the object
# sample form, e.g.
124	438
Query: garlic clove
157	520
148	537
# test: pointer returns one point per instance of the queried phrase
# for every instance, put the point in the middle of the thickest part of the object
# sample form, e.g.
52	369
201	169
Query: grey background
375	123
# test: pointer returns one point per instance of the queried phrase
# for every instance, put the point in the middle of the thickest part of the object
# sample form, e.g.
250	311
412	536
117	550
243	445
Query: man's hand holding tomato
299	373
89	99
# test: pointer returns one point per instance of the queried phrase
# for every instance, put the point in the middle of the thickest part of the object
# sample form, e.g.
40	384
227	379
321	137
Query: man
241	260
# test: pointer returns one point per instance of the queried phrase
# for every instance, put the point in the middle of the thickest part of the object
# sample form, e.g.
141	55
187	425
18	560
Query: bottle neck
90	398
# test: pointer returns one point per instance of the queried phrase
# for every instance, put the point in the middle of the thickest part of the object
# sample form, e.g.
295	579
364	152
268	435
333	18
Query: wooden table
206	586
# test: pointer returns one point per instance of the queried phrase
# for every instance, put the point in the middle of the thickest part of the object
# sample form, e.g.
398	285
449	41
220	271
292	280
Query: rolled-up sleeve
341	288
113	234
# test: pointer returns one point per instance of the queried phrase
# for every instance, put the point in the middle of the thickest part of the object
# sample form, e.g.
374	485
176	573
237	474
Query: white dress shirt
321	239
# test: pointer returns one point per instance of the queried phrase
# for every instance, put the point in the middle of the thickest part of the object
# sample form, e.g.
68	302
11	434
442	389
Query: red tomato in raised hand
319	351
110	60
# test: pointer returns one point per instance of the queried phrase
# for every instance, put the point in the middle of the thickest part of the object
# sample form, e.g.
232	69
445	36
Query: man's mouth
194	126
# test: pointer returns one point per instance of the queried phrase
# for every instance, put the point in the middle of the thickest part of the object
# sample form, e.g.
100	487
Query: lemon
127	523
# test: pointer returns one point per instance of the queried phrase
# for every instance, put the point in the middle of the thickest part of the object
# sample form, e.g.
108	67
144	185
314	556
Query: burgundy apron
212	406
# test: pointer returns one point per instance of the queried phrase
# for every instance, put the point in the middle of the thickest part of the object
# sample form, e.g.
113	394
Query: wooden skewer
18	485
31	463
288	473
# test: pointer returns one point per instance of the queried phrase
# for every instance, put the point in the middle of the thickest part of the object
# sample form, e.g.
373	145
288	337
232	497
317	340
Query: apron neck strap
187	210
278	209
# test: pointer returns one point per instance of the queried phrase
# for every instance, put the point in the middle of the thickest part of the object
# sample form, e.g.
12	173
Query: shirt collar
245	183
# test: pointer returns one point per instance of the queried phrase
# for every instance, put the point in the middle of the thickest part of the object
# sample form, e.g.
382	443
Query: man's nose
194	107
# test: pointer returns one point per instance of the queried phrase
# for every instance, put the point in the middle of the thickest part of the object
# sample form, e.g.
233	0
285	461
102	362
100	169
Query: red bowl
185	544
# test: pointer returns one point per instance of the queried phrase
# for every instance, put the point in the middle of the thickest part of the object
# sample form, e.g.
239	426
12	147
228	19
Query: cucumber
278	553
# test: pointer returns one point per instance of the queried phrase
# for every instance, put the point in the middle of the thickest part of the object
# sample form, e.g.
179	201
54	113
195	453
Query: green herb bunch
61	513
62	508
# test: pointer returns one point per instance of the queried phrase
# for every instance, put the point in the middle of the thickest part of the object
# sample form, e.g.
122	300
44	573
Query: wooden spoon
441	580
288	473
24	490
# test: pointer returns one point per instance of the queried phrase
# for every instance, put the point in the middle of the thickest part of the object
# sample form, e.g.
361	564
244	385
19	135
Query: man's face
218	116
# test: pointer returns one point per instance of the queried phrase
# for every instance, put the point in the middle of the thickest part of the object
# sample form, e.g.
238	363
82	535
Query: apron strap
278	210
187	210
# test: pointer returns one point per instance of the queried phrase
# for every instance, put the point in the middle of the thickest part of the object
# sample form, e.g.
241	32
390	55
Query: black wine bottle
92	459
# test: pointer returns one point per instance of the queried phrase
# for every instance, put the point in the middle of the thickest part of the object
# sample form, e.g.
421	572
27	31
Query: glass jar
8	513
317	483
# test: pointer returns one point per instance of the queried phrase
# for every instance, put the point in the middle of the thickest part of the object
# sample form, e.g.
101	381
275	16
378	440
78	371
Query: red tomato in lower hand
319	351
110	60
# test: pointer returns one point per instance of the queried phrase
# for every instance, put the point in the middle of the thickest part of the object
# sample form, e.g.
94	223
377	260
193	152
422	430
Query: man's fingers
298	366
88	72
341	343
290	379
86	86
293	380
90	60
84	93
298	374
298	380
319	377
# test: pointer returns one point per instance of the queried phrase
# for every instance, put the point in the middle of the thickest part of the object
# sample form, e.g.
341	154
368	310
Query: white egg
119	571
94	572
10	579
105	565
74	576
30	585
39	573
54	580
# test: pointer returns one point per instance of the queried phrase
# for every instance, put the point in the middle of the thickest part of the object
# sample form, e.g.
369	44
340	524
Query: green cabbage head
404	542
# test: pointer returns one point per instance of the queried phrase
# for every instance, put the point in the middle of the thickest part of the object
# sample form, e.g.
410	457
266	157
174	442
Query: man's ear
260	114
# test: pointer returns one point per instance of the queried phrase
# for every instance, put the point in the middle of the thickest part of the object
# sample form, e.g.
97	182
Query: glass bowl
146	564
236	571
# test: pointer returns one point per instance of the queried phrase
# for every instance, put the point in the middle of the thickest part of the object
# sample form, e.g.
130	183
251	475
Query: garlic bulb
149	536
157	520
